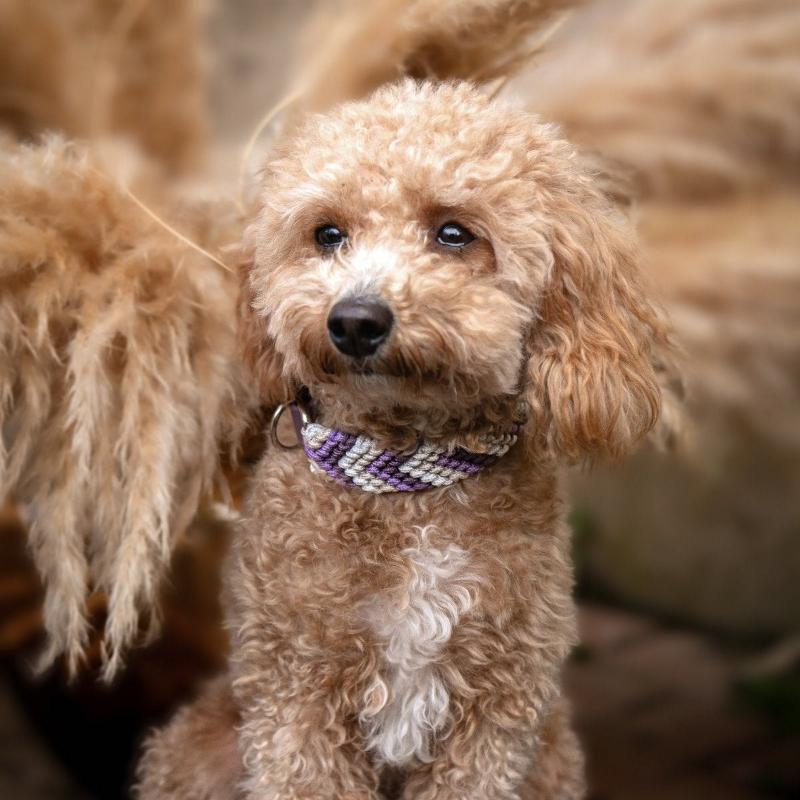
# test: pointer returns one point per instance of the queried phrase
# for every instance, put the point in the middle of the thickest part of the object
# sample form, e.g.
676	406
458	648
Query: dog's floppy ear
594	351
263	364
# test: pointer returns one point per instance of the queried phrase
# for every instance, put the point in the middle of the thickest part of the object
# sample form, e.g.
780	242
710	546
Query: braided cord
357	461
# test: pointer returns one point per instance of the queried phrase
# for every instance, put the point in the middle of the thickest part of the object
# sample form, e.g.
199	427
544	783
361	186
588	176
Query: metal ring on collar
276	417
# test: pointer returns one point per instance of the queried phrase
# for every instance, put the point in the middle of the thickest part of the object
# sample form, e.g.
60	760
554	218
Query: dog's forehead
412	136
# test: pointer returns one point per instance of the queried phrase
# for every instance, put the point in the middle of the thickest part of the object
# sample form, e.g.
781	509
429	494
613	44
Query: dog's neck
401	428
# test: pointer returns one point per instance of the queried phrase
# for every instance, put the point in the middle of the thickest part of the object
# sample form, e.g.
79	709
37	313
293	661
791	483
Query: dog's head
431	255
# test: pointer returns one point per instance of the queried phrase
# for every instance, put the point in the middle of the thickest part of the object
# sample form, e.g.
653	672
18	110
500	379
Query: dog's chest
408	701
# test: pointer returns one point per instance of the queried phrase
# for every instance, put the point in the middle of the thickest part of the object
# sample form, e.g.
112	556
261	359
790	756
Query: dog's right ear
263	364
598	349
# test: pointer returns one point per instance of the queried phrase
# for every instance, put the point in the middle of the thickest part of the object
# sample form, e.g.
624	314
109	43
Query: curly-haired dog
433	268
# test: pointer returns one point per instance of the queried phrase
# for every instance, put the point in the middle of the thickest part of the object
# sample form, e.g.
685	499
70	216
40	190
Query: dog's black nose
358	325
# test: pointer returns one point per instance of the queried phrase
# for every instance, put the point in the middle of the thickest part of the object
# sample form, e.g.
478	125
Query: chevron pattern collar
357	461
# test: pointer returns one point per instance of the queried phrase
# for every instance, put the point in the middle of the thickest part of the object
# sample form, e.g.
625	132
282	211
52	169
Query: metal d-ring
299	415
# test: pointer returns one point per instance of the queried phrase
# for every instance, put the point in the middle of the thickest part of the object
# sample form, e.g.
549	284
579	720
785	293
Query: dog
435	273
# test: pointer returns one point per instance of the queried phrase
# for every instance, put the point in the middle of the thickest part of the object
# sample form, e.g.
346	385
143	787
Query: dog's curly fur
423	633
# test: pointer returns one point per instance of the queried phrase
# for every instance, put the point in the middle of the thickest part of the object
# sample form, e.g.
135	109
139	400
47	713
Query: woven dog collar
358	461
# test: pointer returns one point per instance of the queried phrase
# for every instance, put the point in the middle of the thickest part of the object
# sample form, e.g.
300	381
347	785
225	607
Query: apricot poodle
457	305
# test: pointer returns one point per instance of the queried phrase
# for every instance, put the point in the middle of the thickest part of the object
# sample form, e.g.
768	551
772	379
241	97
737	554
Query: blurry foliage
774	697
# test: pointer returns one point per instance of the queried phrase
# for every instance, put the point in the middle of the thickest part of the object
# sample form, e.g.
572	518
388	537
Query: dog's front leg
299	658
504	689
493	761
480	760
297	742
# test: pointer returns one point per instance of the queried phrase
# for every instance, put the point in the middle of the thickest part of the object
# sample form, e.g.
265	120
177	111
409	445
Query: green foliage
777	698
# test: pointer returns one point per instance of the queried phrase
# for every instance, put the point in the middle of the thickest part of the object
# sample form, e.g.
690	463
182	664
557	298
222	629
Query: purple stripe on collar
358	462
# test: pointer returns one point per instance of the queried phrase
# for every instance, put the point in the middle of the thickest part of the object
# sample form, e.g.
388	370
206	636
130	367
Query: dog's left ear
263	366
597	346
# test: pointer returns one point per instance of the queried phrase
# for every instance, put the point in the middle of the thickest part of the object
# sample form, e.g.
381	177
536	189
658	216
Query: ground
657	709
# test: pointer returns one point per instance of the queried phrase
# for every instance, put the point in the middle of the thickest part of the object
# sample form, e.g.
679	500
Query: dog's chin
371	384
368	370
368	382
372	381
335	369
395	378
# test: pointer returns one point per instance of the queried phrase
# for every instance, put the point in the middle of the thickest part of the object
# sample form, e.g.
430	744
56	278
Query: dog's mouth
391	368
363	368
368	367
365	371
336	367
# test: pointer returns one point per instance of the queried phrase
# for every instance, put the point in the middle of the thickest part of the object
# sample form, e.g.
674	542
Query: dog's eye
329	236
451	234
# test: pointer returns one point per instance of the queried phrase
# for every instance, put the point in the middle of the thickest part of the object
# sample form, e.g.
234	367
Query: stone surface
653	706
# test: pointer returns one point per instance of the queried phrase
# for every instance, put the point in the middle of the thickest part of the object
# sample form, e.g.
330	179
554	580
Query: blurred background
687	681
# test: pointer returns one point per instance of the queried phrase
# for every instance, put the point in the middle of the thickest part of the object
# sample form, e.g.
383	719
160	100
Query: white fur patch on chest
408	702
